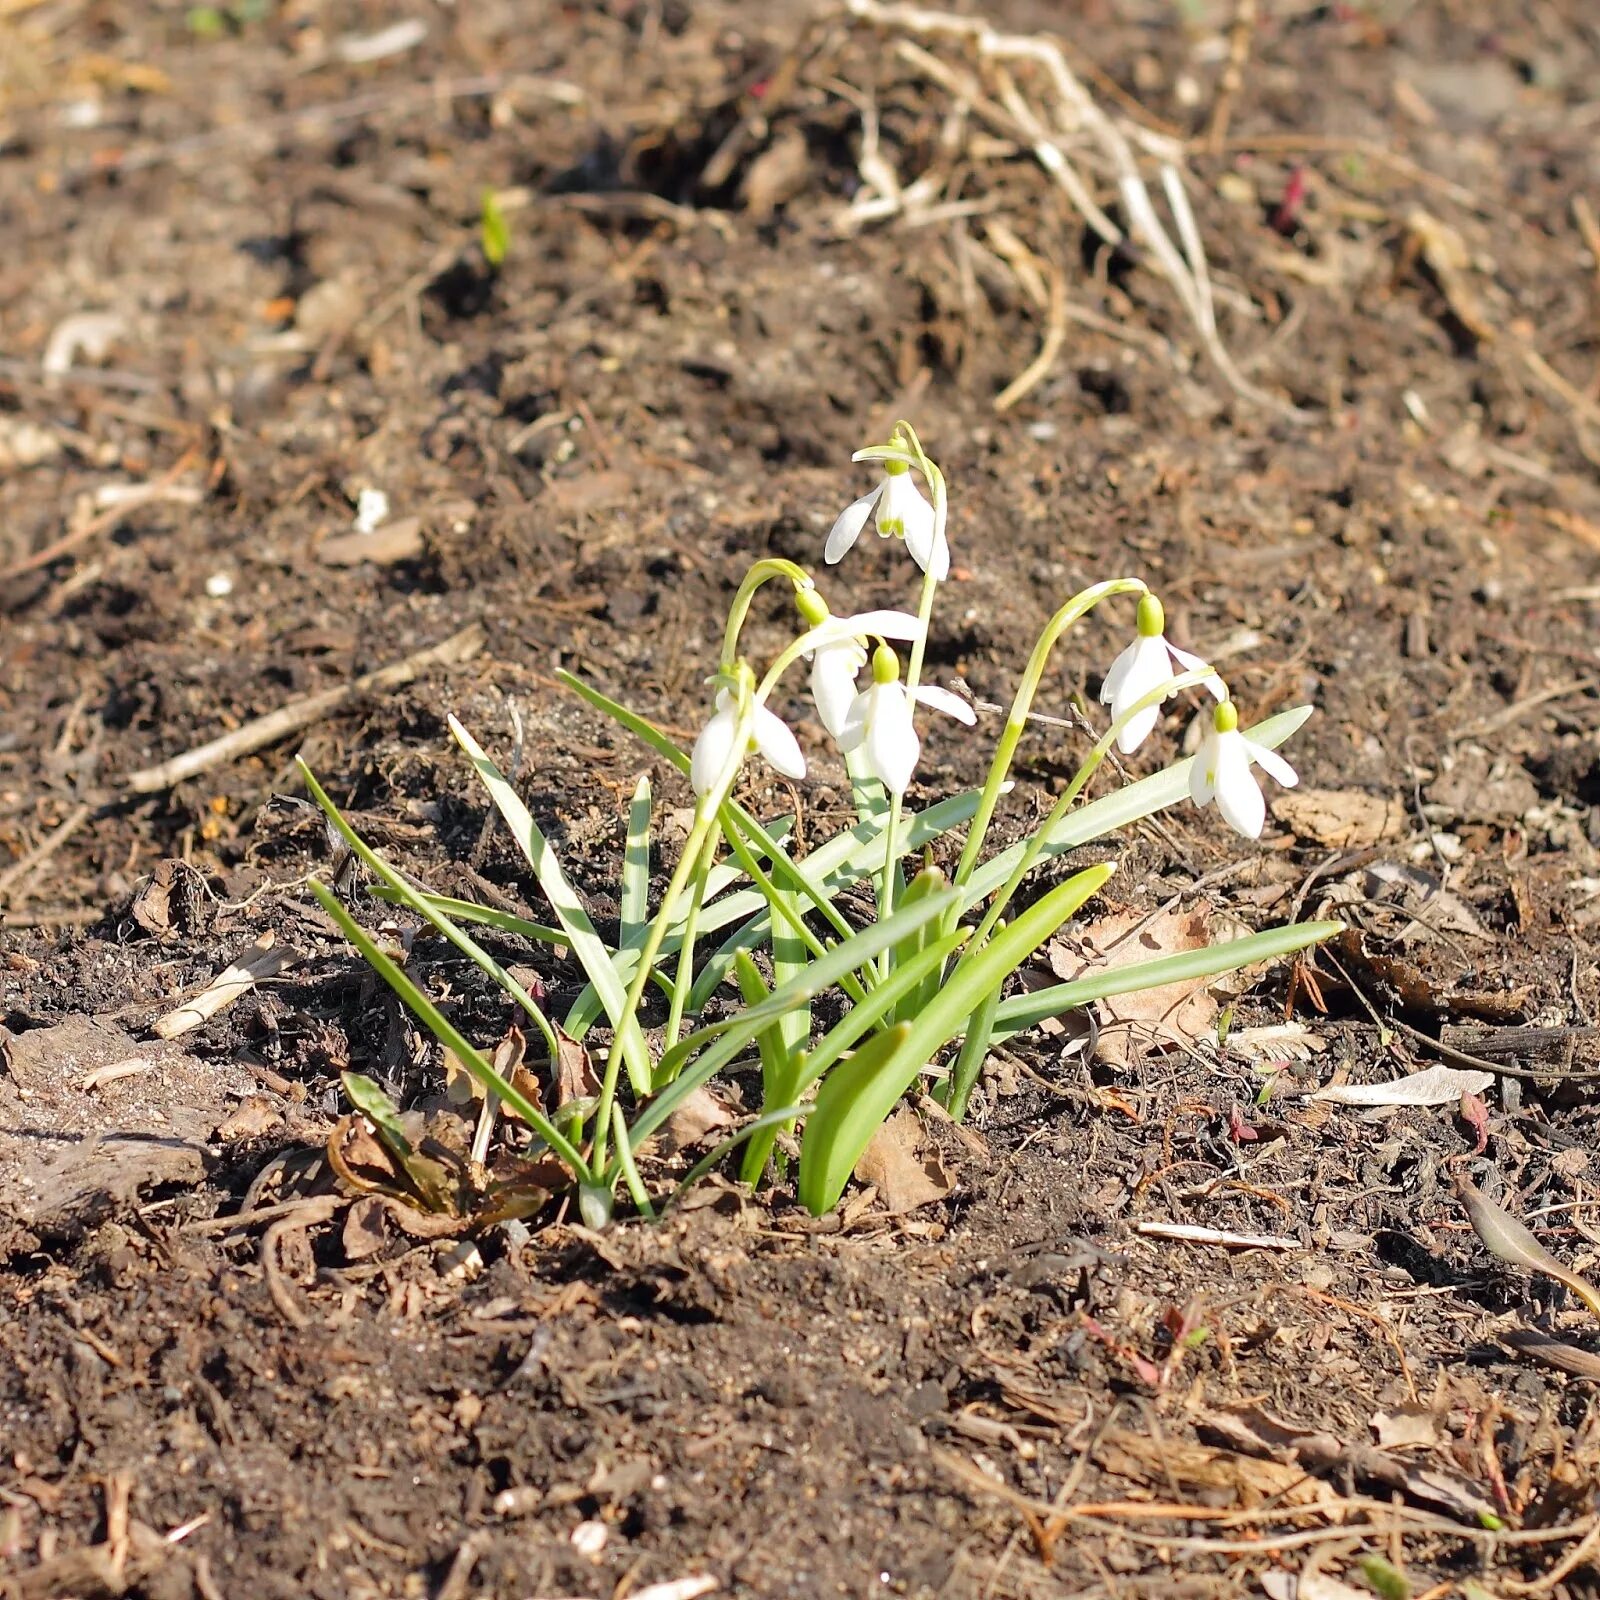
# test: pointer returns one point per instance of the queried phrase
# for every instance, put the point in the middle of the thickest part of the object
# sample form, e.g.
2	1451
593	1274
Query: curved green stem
764	571
689	862
1022	703
1091	763
683	980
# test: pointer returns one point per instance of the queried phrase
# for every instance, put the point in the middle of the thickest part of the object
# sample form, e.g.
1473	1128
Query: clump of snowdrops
747	937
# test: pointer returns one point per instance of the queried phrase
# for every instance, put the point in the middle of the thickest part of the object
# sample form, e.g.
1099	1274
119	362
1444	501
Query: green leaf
493	233
1027	1010
635	910
587	1007
779	1061
471	911
694	1060
1387	1580
415	900
368	1097
434	1020
881	1003
858	1095
570	913
929	881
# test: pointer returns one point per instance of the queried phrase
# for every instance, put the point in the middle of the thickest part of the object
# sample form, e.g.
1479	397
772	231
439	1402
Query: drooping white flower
1221	772
836	665
714	749
899	511
880	724
1148	663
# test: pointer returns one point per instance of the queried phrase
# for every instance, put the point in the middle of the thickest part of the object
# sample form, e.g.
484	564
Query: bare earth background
272	212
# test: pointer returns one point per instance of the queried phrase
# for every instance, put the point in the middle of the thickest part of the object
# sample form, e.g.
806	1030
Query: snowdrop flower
769	735
1148	663
901	513
879	722
1221	772
836	665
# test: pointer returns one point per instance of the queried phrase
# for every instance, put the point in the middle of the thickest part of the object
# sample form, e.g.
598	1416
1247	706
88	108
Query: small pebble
589	1539
219	585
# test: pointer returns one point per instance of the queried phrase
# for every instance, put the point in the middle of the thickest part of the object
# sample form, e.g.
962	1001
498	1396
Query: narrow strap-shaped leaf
635	907
415	900
712	1048
587	1009
472	911
569	910
434	1020
859	1094
1028	1010
929	881
882	1002
779	1065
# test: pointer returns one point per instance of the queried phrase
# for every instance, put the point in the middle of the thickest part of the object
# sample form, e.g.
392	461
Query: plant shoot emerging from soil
747	937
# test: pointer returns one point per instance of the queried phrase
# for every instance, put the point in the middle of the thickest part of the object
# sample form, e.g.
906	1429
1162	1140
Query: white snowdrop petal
1146	672
1193	663
1272	763
714	748
899	625
952	705
1112	687
1238	794
892	746
833	683
918	520
1137	729
1203	773
847	527
776	741
854	731
901	507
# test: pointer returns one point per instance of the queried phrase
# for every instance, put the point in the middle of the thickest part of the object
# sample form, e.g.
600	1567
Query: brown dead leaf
777	175
366	1228
700	1115
894	1162
1411	1427
255	1116
1345	819
1177	1012
575	1077
400	540
1448	258
1245	1480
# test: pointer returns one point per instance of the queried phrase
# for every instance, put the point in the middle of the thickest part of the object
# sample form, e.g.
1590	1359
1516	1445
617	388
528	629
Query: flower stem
761	572
1090	765
1022	704
692	861
683	981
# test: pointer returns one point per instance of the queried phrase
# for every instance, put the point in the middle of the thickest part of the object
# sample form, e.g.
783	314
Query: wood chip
264	959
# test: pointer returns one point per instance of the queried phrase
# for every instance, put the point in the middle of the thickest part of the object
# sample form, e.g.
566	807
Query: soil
1011	1390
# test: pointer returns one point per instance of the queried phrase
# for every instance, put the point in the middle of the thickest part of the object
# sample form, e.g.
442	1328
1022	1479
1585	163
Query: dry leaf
574	1074
1409	1427
1345	819
1177	1012
894	1163
699	1115
255	1116
366	1228
1435	1086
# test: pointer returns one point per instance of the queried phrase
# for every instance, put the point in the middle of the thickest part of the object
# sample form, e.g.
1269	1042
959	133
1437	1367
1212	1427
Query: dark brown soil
665	382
